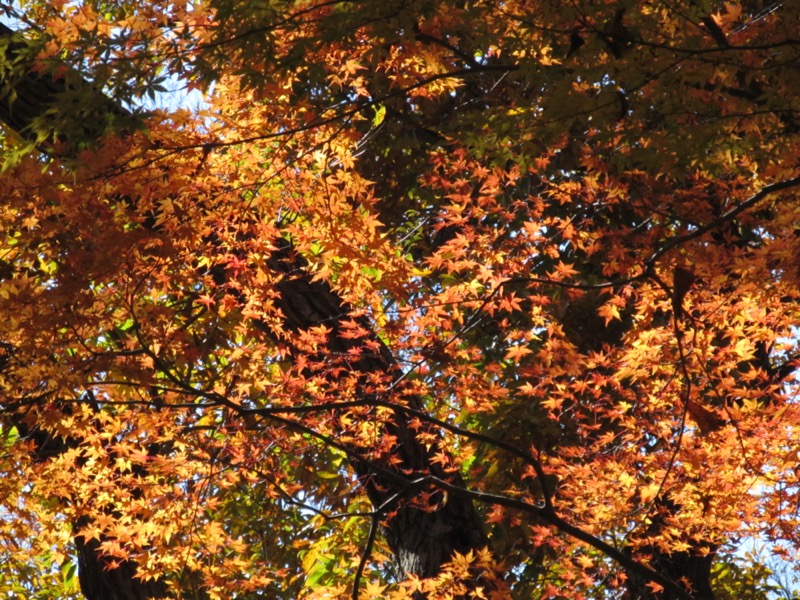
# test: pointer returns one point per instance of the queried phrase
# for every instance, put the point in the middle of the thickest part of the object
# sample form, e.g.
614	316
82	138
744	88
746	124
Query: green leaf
380	115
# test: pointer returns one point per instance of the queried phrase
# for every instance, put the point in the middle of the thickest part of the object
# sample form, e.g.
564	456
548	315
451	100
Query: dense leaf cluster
425	298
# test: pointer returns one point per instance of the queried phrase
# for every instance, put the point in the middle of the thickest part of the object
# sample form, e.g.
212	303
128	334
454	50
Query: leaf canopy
518	276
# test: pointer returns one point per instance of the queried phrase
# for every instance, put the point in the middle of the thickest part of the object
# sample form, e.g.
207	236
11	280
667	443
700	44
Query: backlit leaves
533	242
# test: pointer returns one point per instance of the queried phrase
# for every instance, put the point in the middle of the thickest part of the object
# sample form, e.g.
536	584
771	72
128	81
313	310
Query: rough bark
23	96
690	569
33	102
422	538
102	579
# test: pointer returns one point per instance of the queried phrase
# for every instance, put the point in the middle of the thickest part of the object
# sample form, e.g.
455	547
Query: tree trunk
421	538
100	579
690	570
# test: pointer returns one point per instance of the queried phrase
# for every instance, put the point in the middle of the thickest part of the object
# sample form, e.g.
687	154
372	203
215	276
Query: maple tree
426	298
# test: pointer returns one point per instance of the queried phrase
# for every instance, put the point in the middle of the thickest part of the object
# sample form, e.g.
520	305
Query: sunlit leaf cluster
421	299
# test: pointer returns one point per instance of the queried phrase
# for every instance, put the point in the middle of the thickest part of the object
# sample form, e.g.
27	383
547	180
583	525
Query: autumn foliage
406	299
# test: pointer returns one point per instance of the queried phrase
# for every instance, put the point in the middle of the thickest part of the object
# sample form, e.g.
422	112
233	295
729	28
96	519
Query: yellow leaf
374	590
609	312
649	492
584	561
